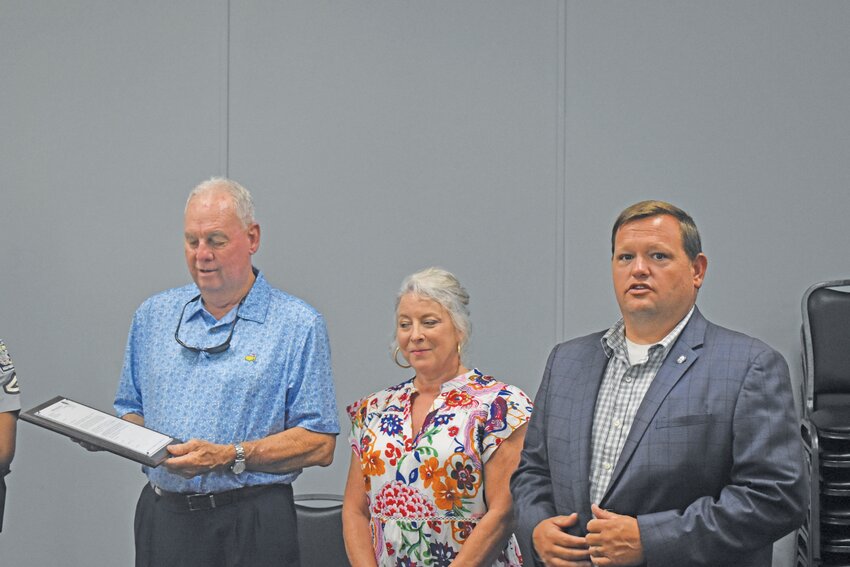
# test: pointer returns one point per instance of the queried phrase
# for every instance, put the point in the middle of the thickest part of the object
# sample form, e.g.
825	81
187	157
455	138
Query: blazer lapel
583	400
684	353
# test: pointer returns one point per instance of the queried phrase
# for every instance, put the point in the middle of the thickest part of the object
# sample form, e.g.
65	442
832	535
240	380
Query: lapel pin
681	359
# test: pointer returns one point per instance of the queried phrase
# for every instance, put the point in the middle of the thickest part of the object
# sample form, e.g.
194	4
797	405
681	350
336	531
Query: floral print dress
426	493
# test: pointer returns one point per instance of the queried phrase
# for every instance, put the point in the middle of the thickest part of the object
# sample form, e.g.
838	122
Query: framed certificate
103	430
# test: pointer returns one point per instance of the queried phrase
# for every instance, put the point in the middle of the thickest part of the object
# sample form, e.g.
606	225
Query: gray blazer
712	467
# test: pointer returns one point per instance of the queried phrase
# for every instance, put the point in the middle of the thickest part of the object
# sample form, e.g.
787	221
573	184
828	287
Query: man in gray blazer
667	440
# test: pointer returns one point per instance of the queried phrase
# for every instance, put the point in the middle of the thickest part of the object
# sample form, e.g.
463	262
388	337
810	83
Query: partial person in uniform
432	456
10	406
241	372
667	439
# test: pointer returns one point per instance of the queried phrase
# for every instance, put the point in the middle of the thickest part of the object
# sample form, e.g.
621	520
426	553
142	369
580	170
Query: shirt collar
254	308
614	340
458	381
256	305
448	385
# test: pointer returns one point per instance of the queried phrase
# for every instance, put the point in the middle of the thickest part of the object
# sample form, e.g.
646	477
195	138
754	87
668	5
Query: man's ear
254	238
699	266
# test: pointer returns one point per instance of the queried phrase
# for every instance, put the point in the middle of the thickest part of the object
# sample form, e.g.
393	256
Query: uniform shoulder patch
10	386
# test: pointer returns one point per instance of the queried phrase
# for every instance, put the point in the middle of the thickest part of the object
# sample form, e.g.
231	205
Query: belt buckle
200	502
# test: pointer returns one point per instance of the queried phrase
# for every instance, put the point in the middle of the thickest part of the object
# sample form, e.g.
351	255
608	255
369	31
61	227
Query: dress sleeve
357	414
509	410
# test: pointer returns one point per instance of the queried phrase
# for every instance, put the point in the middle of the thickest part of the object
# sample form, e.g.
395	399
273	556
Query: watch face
238	467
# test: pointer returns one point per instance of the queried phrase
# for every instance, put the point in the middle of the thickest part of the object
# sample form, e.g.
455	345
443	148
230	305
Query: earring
395	359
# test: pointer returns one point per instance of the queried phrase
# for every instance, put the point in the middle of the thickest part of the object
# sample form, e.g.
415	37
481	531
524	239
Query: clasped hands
612	539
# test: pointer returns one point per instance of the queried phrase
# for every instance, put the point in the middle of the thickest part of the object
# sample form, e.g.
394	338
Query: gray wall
497	139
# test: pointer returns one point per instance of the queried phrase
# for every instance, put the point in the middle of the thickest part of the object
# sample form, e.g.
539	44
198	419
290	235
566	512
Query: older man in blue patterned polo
241	371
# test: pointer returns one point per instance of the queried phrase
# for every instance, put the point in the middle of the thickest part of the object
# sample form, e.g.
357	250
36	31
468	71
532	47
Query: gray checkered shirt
623	388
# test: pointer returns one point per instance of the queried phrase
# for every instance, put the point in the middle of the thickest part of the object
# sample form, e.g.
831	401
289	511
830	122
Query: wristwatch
238	466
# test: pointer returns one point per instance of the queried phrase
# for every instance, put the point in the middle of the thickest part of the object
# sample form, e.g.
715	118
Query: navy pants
257	531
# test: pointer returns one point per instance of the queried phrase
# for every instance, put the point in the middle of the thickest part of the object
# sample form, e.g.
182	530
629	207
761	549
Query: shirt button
606	466
617	423
627	379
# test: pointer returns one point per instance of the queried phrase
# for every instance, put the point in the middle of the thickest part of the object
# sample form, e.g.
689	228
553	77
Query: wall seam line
561	190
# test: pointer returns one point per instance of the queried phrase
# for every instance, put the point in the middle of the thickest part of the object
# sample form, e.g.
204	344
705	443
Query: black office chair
320	530
824	539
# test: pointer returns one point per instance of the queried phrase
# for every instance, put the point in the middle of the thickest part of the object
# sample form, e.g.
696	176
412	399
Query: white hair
443	287
243	203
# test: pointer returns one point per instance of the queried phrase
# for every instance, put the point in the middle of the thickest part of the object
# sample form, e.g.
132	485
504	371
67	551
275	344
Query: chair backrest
826	338
320	530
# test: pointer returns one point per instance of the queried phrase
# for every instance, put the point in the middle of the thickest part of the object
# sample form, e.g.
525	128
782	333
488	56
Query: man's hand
196	457
86	445
557	548
613	539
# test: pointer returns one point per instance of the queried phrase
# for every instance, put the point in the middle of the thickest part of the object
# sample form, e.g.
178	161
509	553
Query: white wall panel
384	137
109	113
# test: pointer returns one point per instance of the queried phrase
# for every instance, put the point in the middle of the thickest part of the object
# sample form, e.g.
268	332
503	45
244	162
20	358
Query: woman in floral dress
432	456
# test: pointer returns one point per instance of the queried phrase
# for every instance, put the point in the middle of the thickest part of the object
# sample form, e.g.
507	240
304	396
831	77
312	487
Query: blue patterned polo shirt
276	375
